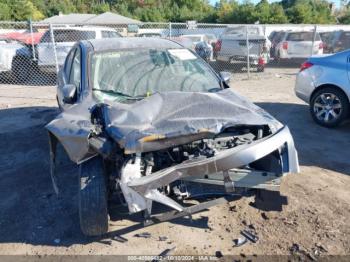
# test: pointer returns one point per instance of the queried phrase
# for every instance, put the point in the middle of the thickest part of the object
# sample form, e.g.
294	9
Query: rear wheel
93	206
329	107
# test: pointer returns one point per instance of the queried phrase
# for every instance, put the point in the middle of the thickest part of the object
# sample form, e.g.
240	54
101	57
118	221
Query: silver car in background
64	38
298	45
323	82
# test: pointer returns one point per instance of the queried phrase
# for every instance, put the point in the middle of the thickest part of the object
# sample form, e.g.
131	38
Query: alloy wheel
327	107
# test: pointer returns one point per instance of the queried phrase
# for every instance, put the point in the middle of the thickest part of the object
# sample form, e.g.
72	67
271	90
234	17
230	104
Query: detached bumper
237	157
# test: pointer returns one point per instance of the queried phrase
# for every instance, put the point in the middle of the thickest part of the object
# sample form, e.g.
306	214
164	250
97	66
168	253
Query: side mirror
69	93
225	77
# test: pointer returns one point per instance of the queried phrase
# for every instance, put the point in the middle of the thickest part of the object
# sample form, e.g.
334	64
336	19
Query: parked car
298	45
204	50
149	35
14	45
323	82
196	38
340	41
185	42
272	35
147	120
231	48
275	40
26	37
8	50
212	39
327	38
48	49
201	44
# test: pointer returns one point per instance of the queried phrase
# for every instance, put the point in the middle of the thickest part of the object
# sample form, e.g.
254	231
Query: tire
333	102
93	200
22	68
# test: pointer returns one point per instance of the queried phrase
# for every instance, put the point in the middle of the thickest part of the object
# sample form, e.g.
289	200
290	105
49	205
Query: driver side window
75	71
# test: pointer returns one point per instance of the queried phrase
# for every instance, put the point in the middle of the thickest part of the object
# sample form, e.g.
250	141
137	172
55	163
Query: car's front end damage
164	148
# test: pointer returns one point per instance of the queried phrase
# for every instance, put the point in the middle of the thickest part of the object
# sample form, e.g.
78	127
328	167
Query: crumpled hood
175	114
165	115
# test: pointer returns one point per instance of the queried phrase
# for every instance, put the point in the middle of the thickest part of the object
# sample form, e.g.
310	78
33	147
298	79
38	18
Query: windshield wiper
126	96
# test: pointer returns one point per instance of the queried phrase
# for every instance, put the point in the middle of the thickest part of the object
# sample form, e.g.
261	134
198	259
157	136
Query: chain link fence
32	53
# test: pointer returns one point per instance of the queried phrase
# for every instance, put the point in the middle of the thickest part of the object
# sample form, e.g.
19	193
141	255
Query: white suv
294	45
64	39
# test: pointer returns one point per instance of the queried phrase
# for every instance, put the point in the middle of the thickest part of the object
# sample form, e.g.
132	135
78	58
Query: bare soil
315	214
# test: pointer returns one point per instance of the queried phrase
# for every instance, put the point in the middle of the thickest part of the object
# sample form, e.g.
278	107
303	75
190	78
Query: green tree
4	11
225	10
54	7
278	16
262	12
345	17
308	11
20	10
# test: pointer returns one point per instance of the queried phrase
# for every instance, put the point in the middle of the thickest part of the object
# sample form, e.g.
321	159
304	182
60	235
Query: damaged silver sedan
149	121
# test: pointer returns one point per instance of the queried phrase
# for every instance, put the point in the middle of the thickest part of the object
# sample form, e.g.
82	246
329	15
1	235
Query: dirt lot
315	215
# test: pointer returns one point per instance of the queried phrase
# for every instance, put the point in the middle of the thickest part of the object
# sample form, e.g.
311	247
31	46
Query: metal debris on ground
250	236
144	235
119	239
321	248
301	252
163	238
294	248
240	241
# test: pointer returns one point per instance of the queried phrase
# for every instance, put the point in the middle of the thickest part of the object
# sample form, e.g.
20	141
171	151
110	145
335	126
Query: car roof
83	28
122	43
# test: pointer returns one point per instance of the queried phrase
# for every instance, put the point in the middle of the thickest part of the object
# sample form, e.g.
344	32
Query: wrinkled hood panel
169	115
181	113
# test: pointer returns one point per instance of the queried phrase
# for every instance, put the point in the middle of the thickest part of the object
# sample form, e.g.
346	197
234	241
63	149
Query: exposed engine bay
203	148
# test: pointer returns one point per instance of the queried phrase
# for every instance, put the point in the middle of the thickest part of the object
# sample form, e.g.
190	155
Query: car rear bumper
253	60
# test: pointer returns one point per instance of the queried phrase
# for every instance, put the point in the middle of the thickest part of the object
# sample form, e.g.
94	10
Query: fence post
169	29
54	47
247	46
313	40
32	38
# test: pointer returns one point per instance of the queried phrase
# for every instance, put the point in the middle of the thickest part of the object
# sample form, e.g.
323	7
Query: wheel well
328	85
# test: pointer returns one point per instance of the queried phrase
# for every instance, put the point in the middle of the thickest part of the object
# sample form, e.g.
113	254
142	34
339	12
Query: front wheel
329	107
93	204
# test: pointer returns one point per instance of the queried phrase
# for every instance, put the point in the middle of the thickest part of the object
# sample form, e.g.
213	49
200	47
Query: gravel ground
315	203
